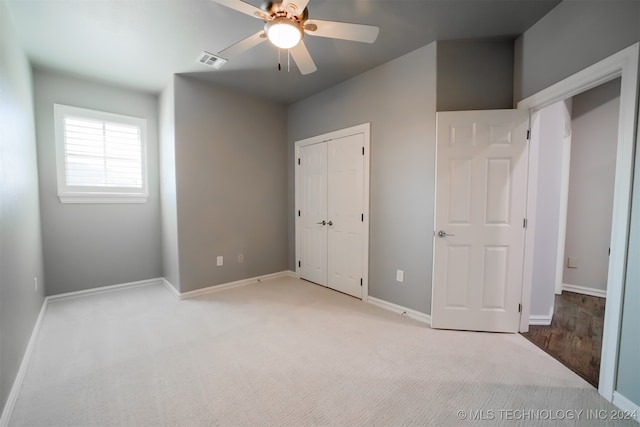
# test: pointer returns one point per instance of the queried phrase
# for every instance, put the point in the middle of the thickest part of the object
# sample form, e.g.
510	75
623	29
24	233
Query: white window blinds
100	156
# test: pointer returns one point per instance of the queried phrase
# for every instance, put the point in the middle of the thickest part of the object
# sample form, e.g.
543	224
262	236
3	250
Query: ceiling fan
286	22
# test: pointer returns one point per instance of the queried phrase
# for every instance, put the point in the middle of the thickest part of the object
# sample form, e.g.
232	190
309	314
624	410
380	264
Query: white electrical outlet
572	262
240	257
219	261
35	282
400	276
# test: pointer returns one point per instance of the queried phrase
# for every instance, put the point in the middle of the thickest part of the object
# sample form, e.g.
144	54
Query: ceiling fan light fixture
283	32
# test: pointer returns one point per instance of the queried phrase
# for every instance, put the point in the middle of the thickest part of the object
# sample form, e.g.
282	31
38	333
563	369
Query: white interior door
312	213
481	172
346	214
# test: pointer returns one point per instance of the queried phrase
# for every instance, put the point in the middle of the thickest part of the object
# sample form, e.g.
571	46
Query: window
101	157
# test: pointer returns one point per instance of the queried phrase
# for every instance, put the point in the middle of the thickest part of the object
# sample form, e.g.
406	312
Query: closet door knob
330	223
322	223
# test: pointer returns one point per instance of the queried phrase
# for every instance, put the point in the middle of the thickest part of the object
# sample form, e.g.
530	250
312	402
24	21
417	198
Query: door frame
564	210
623	64
365	130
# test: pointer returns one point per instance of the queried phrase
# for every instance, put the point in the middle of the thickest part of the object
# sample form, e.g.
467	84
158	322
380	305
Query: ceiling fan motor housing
277	9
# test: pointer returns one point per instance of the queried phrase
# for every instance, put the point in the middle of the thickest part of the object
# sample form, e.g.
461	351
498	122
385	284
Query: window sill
103	198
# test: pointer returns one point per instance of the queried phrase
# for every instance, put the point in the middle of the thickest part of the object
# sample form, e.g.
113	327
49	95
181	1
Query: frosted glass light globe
283	33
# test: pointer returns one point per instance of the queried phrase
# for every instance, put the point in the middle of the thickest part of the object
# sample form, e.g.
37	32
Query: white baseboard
26	358
541	319
416	315
224	286
626	405
584	291
167	284
103	289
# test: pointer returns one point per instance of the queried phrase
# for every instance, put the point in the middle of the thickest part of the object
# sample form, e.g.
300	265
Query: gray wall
92	245
475	75
398	99
231	170
591	182
168	194
572	36
550	137
20	234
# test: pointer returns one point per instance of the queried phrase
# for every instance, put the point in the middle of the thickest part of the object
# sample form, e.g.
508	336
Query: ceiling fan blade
302	58
300	5
341	30
243	7
243	45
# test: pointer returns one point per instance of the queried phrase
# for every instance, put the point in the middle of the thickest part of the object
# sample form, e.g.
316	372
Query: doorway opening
623	65
577	147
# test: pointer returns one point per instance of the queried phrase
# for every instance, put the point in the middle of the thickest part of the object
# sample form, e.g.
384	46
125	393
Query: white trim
563	210
365	130
292	274
404	311
626	405
175	292
623	64
584	290
102	198
26	358
223	287
530	232
541	319
103	289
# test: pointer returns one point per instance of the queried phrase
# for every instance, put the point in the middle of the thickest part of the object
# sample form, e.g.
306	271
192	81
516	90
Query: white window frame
88	194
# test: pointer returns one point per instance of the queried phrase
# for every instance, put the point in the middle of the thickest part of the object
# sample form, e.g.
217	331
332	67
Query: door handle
322	223
330	223
443	234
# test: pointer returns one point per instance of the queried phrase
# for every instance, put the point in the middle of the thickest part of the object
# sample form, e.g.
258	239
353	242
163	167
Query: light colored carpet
281	352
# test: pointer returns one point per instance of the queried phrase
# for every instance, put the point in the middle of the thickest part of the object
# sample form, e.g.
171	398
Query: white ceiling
141	43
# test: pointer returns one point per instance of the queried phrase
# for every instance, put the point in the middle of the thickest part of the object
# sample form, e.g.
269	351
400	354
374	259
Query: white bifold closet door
331	226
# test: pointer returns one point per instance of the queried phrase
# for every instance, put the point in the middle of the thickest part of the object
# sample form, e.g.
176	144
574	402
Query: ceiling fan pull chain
279	67
288	60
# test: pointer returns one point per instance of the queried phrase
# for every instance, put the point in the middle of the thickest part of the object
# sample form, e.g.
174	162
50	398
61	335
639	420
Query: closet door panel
312	203
345	201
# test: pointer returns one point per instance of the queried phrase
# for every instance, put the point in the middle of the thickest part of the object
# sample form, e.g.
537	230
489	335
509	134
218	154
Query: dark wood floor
575	335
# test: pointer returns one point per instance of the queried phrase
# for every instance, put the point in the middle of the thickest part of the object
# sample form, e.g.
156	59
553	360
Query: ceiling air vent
210	60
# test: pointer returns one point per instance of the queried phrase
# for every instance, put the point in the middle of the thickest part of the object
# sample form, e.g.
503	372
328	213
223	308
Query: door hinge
524	223
298	213
360	281
362	217
363	151
528	134
298	161
299	264
519	308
